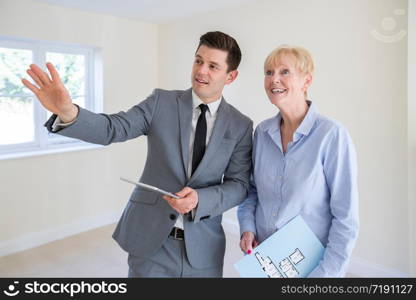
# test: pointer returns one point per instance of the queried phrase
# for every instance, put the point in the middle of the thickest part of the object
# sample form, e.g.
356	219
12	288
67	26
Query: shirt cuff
57	124
248	227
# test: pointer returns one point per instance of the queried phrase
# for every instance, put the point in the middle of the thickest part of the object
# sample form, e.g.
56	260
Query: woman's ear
308	81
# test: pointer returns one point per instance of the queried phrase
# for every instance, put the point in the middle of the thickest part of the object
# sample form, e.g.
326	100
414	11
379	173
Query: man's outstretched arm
85	125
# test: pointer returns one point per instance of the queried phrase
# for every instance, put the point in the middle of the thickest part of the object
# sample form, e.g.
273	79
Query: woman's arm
340	168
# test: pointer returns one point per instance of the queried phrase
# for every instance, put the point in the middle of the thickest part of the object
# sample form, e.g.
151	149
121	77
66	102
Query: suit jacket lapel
185	123
220	126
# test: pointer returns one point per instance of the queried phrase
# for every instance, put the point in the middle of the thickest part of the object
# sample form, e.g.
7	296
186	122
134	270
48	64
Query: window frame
44	142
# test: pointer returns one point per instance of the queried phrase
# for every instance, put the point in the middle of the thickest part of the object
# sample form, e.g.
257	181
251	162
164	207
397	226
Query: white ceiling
156	11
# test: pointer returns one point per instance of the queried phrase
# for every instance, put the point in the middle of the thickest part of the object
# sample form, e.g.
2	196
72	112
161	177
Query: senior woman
303	164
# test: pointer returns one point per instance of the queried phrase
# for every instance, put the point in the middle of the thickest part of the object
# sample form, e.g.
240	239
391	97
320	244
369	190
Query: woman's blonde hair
302	57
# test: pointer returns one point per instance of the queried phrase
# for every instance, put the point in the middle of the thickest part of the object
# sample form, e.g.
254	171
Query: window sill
52	149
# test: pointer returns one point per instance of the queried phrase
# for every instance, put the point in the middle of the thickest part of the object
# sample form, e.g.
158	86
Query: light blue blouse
316	178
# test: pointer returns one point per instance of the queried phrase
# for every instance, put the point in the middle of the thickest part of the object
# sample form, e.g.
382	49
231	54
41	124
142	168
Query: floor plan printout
292	251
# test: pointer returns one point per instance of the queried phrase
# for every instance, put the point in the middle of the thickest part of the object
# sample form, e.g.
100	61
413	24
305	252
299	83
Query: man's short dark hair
222	41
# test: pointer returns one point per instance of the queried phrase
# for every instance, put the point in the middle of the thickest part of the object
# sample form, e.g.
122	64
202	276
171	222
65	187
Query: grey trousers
169	261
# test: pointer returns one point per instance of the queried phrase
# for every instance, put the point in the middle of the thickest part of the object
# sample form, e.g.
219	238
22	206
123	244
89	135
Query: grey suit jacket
221	179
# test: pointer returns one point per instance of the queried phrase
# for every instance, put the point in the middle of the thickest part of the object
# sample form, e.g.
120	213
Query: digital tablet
150	188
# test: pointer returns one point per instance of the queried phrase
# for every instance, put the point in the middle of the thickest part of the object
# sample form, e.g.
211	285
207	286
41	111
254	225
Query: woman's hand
248	242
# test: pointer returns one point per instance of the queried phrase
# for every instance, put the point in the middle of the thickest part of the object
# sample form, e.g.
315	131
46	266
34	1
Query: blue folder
292	251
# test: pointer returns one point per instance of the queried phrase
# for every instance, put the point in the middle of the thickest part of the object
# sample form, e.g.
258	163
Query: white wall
47	197
359	81
411	117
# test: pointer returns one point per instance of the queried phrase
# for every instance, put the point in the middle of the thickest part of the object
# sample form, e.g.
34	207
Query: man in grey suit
198	144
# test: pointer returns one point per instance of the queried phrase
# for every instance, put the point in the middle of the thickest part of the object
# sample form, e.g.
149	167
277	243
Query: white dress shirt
211	115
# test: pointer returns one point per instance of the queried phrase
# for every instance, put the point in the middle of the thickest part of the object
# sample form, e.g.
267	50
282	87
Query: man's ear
231	76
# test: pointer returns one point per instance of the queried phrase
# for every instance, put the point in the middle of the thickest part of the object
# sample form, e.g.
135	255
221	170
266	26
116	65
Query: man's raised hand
51	92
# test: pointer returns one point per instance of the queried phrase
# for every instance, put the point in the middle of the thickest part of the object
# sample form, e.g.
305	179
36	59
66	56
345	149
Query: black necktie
200	138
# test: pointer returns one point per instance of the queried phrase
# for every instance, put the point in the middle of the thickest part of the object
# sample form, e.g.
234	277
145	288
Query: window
21	115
